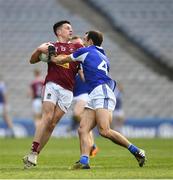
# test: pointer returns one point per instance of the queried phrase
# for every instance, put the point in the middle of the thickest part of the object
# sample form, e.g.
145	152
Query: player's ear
58	31
90	42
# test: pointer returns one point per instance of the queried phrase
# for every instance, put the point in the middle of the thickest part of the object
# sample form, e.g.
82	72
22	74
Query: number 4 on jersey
103	66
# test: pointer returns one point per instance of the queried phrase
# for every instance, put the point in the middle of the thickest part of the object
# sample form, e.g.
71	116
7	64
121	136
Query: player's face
85	40
65	31
77	41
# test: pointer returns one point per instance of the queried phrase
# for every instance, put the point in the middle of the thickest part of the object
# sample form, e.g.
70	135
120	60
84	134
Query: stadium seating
26	24
147	22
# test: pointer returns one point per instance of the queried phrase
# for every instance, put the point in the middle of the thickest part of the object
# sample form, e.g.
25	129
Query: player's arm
35	56
78	55
81	74
61	59
43	48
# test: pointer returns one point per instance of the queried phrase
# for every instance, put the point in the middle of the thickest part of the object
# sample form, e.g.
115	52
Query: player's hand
51	50
43	48
53	59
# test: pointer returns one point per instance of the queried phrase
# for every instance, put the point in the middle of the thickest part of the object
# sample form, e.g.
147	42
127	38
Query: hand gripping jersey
63	75
95	65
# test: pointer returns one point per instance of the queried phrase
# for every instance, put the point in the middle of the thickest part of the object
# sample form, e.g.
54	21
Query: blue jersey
95	65
80	87
2	92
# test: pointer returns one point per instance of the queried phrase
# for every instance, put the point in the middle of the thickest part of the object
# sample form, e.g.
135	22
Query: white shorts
58	95
37	106
83	97
101	97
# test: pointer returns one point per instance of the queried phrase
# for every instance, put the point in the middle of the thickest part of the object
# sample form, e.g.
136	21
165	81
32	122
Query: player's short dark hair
59	24
96	37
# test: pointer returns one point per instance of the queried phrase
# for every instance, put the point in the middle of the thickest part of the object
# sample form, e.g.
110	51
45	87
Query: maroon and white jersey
63	75
37	86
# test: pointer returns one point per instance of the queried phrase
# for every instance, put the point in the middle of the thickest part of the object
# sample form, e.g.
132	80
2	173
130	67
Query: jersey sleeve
79	55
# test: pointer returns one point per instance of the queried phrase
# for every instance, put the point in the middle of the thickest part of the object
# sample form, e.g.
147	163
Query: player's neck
62	40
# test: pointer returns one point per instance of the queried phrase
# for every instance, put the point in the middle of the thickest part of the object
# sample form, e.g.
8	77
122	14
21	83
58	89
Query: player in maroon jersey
35	92
58	93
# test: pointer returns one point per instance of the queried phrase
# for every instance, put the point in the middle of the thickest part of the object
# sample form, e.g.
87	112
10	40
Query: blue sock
84	159
94	146
133	149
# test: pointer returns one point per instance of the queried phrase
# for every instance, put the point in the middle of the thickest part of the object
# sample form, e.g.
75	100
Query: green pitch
112	161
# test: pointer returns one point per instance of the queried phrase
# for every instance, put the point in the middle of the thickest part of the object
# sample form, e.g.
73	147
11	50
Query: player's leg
118	120
8	121
87	123
79	107
58	113
48	109
103	117
94	149
77	112
47	115
63	102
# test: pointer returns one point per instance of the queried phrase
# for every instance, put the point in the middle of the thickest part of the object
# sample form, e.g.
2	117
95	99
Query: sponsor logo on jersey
66	65
48	96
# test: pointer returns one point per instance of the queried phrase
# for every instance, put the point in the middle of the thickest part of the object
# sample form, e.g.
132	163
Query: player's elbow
31	61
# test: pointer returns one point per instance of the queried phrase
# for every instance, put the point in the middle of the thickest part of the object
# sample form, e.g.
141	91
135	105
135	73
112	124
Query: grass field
111	162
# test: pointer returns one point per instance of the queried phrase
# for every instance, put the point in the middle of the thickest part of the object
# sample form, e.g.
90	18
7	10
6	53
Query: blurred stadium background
138	40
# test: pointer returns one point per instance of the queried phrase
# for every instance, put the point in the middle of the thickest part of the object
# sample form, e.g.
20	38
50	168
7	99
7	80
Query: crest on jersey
66	65
48	96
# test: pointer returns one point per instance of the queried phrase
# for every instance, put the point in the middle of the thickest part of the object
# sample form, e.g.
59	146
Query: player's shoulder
78	45
88	49
84	49
81	52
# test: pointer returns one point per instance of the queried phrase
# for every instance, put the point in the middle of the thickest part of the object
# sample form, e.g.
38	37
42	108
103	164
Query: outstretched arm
78	55
61	59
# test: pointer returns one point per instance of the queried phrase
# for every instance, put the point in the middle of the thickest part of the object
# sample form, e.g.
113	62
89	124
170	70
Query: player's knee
104	132
81	130
48	117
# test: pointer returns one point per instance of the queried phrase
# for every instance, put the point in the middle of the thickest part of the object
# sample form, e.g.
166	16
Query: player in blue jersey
80	99
80	91
102	99
4	109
